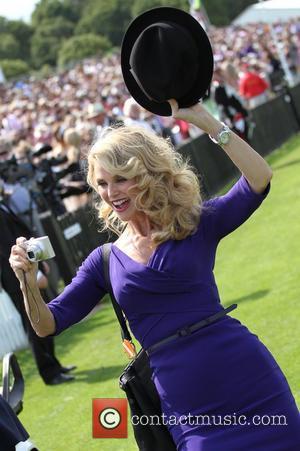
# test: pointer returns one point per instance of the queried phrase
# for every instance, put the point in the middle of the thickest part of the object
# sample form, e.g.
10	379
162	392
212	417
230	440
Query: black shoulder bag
136	379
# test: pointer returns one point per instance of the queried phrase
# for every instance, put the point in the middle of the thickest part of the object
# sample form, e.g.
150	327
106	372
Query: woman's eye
121	179
101	183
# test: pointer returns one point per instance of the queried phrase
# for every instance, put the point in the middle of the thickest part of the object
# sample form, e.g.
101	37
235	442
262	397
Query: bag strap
125	334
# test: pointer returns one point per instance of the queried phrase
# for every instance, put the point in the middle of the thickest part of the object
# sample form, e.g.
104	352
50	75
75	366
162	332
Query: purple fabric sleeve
226	213
81	295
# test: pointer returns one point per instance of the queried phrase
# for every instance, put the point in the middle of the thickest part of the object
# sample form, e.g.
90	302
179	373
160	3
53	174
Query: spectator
133	114
231	110
50	369
276	73
75	179
253	88
98	117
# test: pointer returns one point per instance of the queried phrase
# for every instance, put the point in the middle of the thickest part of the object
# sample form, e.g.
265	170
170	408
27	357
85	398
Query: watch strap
217	140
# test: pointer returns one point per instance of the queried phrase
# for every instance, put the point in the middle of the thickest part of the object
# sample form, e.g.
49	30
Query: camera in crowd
42	178
39	249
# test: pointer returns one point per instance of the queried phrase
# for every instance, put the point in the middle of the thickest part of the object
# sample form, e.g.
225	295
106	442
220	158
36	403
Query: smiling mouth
121	205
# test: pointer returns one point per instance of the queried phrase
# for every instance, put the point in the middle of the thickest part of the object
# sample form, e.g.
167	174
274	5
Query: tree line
63	31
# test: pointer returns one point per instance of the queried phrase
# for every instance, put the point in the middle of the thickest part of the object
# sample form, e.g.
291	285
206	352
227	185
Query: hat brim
188	22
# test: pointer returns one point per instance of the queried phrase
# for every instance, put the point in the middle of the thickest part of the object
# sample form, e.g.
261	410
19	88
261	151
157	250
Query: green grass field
258	266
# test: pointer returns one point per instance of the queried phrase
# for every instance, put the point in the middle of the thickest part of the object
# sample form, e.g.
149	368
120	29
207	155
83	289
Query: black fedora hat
166	54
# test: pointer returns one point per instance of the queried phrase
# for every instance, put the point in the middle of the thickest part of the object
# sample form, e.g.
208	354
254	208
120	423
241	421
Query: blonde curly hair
167	188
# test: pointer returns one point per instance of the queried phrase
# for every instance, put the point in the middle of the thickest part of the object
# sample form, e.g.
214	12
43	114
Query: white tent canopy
269	11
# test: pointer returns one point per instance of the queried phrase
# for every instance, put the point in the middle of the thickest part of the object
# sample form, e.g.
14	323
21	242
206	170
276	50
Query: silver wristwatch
223	136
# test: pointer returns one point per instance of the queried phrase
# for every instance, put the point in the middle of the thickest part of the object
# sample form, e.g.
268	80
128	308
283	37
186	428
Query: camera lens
34	252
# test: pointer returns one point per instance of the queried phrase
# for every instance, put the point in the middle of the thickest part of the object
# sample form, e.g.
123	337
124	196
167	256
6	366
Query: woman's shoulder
91	269
94	259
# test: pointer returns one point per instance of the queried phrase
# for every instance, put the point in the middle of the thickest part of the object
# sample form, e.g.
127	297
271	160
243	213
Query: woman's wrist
203	119
209	125
215	129
29	285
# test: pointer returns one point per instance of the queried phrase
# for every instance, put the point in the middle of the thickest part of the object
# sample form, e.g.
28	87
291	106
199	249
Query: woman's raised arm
246	159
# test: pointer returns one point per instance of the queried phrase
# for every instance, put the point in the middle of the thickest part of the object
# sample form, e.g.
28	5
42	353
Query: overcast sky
17	9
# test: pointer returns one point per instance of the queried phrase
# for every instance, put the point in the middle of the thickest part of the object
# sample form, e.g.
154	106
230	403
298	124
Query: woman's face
113	189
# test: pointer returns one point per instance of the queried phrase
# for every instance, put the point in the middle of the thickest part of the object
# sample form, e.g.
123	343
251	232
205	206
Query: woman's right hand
197	115
20	264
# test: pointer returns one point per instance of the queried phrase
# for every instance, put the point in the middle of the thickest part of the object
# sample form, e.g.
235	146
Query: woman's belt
190	329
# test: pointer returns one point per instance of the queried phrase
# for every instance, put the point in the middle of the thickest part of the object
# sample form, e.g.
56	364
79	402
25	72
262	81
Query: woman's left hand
197	115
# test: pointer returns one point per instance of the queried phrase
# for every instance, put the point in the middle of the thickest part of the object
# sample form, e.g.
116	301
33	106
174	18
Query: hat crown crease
167	52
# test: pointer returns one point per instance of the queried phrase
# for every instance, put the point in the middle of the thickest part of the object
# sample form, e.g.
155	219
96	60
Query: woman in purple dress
220	388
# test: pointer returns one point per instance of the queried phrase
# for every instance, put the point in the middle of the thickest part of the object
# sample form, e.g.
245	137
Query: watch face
224	137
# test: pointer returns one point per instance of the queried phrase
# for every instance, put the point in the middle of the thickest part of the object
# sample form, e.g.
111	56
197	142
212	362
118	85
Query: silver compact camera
39	249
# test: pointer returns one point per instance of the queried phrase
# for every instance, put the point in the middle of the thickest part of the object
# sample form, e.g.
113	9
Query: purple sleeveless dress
218	384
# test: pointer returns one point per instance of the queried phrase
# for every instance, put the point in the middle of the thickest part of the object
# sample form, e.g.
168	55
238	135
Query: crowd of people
258	47
68	109
95	88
